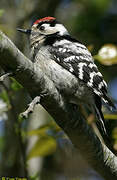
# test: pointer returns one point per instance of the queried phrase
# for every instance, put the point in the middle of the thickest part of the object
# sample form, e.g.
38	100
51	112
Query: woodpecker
69	64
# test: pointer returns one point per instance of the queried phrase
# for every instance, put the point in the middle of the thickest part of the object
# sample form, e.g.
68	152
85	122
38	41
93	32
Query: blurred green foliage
15	85
44	146
46	143
5	97
1	12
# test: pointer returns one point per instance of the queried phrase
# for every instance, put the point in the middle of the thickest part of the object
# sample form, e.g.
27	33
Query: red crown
44	19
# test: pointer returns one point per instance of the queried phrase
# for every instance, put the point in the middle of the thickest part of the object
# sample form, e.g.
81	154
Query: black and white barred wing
76	58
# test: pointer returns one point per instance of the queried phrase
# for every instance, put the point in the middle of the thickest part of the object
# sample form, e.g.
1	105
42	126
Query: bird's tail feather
99	114
100	118
108	101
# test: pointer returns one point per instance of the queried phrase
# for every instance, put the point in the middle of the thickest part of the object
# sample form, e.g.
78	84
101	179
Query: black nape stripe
52	38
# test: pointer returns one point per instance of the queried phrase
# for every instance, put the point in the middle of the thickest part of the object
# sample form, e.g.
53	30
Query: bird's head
43	28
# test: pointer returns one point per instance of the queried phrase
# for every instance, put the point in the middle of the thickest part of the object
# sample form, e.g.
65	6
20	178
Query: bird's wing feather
76	58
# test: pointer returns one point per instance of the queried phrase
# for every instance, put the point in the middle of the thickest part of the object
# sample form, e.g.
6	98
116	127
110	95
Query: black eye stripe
41	28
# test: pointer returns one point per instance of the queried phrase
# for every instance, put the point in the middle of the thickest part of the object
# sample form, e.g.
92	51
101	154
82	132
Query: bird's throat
37	40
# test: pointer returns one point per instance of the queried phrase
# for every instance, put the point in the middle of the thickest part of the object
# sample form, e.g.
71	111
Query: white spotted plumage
91	65
70	58
76	55
76	58
80	66
90	82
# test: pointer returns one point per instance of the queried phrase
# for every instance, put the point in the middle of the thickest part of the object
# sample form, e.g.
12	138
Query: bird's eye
41	28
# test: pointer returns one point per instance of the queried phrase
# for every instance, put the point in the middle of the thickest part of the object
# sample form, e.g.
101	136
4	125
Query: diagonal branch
67	117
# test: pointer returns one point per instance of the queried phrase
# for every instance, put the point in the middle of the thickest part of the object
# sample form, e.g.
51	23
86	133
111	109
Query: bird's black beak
26	31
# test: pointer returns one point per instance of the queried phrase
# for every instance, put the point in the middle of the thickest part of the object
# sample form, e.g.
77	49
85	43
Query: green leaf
110	116
40	131
44	146
15	85
107	55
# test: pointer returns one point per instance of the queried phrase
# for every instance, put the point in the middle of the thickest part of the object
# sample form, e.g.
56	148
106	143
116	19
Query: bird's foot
31	106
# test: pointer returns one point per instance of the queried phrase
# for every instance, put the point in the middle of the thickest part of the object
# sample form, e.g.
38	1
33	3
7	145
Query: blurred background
36	147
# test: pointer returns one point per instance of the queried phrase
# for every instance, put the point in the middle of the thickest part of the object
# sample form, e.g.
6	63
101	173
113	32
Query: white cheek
50	30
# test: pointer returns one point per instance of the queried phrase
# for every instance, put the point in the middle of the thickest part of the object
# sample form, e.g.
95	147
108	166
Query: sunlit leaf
110	116
44	146
44	129
107	55
41	131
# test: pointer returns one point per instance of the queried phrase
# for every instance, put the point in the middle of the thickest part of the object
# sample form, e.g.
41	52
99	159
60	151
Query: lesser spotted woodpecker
69	64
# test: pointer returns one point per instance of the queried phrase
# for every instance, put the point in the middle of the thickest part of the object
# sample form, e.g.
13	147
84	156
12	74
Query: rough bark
66	116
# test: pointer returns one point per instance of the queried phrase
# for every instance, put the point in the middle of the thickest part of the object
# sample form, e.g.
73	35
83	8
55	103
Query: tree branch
67	117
